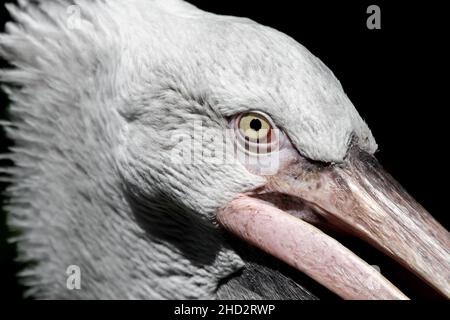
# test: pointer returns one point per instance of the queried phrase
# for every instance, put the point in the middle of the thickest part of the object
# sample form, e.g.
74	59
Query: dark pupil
255	124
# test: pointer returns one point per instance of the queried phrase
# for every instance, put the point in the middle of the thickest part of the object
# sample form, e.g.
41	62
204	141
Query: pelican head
152	139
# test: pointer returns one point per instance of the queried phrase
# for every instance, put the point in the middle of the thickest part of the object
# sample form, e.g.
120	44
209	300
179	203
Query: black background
397	78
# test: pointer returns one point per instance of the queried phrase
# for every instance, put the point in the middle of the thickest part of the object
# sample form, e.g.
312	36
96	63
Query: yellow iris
254	126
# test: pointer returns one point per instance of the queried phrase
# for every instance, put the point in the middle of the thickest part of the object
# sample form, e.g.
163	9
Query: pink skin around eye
263	157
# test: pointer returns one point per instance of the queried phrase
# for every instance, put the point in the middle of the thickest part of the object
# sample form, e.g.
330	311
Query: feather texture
99	89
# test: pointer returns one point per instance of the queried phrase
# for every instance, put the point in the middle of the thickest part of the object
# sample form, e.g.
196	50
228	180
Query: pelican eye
256	134
255	127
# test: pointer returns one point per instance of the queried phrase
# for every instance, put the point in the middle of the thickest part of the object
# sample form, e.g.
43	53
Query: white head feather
94	109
